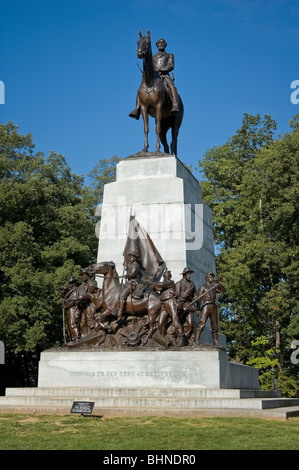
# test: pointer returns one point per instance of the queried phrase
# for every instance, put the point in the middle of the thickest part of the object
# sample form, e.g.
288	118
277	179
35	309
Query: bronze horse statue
153	99
111	290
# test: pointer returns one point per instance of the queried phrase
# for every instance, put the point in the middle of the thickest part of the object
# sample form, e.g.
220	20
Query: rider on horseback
163	63
133	272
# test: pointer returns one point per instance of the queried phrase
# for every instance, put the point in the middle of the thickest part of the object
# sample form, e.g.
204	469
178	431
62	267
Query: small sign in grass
82	407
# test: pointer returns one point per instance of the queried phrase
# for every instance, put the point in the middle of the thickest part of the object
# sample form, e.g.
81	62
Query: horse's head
144	47
101	268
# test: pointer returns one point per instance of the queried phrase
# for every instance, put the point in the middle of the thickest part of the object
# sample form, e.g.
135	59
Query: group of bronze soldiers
179	302
80	304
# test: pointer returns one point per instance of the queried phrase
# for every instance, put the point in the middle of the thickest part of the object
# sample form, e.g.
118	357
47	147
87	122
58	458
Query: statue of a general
157	95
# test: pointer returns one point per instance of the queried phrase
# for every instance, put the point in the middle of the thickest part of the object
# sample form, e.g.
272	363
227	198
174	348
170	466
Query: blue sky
71	76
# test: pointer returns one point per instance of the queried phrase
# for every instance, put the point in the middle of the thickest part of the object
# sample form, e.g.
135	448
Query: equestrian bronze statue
157	95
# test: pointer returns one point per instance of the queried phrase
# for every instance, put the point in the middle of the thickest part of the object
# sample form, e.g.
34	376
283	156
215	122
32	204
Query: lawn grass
75	432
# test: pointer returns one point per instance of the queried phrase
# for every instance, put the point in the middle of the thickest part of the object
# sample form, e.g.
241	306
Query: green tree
103	173
46	235
252	185
223	172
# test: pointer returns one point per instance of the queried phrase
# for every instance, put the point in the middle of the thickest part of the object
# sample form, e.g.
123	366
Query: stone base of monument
204	368
153	383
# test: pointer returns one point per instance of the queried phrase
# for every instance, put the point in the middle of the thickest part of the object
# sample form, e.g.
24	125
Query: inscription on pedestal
162	369
117	374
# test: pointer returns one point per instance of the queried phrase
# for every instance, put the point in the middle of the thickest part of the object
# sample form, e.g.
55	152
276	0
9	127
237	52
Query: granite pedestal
147	369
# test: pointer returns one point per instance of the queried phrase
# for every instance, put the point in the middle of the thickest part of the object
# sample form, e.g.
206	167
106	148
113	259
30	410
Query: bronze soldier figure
83	288
93	301
185	291
169	306
69	303
164	63
208	292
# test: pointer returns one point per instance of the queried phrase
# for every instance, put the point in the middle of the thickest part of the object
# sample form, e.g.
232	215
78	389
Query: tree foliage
251	183
103	173
46	235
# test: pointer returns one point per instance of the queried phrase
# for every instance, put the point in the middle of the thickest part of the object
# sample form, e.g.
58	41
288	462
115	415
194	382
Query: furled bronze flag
140	244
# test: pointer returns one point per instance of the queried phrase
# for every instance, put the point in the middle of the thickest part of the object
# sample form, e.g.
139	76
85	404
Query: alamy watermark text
2	92
295	94
295	354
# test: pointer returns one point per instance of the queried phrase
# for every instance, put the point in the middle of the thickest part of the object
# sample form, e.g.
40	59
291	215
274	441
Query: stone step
142	392
273	413
152	402
145	401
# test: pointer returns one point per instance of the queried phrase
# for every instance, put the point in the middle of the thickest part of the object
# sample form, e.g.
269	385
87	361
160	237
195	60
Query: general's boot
135	113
